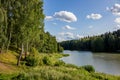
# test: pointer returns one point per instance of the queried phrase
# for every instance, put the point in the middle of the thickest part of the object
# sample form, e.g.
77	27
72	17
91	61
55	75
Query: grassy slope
9	70
8	62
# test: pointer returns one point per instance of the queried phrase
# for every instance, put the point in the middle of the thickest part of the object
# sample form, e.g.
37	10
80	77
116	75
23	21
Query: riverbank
102	62
50	68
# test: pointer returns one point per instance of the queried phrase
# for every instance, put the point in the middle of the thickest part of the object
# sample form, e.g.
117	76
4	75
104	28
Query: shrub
20	76
71	66
47	61
33	58
59	63
89	68
65	55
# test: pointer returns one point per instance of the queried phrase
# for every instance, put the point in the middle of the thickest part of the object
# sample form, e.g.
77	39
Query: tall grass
51	68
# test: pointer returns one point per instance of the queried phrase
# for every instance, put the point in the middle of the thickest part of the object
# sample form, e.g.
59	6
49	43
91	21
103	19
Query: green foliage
89	68
22	23
7	76
108	42
71	66
20	76
60	49
59	63
47	61
9	57
1	16
65	55
97	44
61	71
48	43
33	58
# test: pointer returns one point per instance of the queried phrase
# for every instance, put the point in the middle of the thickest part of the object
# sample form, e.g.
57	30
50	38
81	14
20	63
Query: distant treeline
108	42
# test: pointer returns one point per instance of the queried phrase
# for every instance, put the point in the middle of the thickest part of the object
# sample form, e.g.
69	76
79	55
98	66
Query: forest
22	28
108	42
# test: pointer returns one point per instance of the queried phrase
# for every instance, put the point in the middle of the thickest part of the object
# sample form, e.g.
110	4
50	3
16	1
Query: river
103	62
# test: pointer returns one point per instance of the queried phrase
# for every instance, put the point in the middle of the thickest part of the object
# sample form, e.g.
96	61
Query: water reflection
103	62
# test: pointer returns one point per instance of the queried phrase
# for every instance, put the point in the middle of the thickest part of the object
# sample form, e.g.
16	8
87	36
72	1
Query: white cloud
60	39
117	20
94	16
79	36
115	9
61	34
54	23
68	27
90	27
117	27
68	36
107	8
65	16
48	18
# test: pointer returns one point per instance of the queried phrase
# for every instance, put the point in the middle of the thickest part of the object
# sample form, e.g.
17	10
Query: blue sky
73	19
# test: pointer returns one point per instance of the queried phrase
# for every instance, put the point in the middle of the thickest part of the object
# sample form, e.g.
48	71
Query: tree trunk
18	62
2	49
9	41
26	50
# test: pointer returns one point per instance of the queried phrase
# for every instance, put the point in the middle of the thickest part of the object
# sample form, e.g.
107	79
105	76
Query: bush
47	61
20	76
71	66
89	68
66	55
59	63
33	58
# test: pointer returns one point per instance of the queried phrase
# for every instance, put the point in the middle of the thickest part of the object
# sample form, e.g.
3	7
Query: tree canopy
22	27
108	42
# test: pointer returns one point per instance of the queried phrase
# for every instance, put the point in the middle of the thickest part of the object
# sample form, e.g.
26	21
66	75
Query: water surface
102	62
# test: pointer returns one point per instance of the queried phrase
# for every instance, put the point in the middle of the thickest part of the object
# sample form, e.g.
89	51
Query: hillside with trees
108	42
22	27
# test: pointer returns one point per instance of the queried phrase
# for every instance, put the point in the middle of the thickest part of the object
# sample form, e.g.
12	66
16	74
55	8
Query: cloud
65	16
90	27
107	8
78	36
117	20
60	39
117	27
48	18
54	23
67	27
94	16
68	36
115	9
61	34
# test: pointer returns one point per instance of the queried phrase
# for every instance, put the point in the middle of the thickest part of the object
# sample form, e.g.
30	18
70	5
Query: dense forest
108	42
22	27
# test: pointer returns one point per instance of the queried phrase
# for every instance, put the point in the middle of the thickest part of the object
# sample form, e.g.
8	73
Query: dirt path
3	65
6	67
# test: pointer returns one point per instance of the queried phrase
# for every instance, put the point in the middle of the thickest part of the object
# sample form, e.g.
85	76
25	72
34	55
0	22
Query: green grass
50	68
9	57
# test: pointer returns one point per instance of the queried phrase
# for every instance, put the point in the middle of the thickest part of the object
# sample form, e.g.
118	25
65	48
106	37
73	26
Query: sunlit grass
49	68
9	57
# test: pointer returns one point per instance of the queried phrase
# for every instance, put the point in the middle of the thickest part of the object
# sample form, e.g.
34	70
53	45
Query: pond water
103	62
